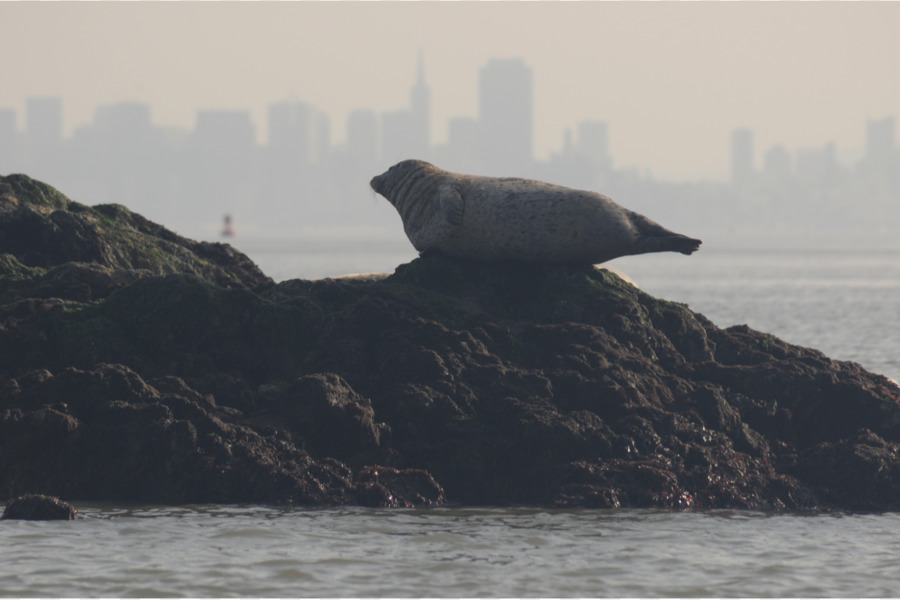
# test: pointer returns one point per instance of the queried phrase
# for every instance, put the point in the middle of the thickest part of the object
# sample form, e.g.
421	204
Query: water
254	551
840	296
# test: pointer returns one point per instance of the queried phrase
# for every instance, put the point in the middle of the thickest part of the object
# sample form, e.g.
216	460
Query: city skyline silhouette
671	80
188	178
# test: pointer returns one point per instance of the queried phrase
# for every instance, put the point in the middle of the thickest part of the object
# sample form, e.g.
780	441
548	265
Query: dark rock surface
31	507
136	365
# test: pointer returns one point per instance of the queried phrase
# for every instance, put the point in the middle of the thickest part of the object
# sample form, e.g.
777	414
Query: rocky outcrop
136	365
32	507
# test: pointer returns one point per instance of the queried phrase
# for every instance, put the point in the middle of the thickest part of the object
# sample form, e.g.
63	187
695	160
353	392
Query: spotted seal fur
511	219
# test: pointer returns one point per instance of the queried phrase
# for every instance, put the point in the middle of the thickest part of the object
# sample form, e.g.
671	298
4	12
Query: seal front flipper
452	206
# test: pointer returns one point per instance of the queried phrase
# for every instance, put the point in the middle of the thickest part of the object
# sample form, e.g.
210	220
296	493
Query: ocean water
840	296
228	551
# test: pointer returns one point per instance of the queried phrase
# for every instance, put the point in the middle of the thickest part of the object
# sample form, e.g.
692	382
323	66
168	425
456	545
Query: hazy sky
672	80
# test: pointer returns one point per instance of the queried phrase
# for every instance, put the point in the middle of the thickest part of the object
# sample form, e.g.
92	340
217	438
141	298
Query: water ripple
258	551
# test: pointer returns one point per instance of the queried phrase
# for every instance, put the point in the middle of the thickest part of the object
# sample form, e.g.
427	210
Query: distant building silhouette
43	130
593	143
43	121
9	142
407	133
290	131
817	167
461	153
221	165
777	167
299	182
223	139
506	114
322	136
397	135
362	138
420	114
742	169
124	139
881	151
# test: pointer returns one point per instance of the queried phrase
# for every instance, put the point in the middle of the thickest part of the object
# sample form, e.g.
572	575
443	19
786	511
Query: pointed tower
420	114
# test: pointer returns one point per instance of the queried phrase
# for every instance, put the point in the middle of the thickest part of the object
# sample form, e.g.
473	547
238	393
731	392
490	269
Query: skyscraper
407	133
593	143
9	142
420	114
226	137
397	137
290	130
880	149
221	156
362	138
43	132
777	166
505	110
742	172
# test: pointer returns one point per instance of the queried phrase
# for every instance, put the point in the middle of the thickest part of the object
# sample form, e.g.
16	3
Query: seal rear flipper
674	242
683	244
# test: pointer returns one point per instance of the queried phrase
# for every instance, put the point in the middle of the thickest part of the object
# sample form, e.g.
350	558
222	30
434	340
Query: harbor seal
511	219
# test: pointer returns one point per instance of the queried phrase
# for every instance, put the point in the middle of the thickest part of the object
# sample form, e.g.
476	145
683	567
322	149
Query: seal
512	219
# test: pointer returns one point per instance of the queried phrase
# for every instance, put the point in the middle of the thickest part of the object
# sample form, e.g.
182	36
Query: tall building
593	143
9	142
461	153
290	131
407	133
420	114
321	136
777	166
397	137
43	133
506	112
880	148
43	121
742	171
126	131
220	166
362	137
224	138
817	166
124	118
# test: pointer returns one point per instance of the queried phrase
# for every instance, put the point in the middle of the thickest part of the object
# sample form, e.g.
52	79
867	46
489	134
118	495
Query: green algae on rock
41	228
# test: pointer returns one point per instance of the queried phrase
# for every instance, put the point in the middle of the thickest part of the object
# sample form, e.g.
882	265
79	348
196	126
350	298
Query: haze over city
671	80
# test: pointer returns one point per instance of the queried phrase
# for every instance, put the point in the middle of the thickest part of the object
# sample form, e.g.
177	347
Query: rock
328	414
31	507
138	366
41	231
385	487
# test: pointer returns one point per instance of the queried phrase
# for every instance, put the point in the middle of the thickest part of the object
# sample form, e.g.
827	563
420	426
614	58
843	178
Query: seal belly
536	223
